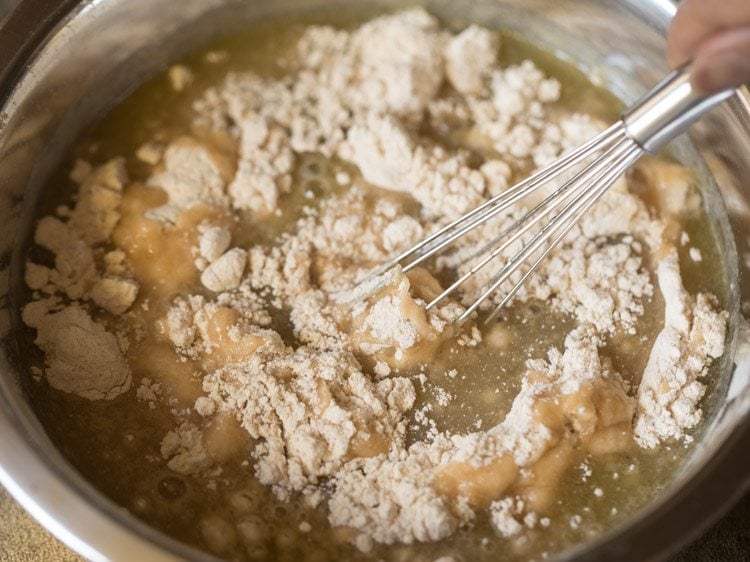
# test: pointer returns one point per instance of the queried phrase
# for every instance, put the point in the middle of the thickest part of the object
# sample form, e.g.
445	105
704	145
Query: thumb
722	61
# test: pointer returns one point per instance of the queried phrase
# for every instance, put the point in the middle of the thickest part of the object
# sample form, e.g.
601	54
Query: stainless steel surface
668	109
66	62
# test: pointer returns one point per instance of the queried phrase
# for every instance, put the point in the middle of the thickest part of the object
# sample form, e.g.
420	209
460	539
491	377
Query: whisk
660	115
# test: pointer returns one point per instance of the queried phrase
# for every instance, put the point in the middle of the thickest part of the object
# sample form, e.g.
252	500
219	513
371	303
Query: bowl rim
97	528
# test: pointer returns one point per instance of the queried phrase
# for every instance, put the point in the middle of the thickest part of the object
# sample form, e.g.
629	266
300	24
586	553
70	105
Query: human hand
715	35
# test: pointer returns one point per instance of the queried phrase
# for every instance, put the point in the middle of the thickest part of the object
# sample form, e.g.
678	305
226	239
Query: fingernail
721	72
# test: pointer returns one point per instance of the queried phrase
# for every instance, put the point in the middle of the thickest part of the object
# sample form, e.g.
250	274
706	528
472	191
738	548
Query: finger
722	61
698	19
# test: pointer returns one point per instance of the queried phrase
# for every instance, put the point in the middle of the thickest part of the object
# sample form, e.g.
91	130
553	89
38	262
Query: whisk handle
668	109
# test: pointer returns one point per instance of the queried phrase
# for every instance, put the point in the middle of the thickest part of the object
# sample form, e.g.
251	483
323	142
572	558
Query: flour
577	276
150	153
395	321
80	171
213	241
36	276
388	500
263	171
75	270
183	448
442	182
398	62
283	342
508	516
225	273
180	327
192	175
670	388
328	406
81	356
408	510
385	323
234	322
97	209
113	294
150	392
470	57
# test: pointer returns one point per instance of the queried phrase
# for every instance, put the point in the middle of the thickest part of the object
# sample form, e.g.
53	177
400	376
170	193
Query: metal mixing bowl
67	62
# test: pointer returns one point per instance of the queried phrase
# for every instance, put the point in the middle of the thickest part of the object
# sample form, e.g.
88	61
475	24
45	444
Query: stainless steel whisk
659	116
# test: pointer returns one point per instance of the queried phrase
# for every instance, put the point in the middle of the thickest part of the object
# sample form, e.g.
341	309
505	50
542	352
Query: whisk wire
555	198
596	179
618	169
571	187
660	115
519	192
498	203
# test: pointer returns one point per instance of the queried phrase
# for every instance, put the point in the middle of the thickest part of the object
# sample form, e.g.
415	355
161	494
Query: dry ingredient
670	389
279	344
